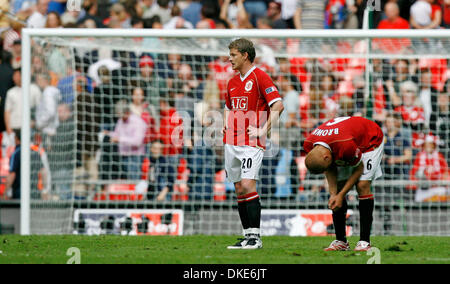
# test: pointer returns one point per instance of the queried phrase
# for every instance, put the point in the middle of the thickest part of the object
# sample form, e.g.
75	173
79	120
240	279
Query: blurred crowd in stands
127	109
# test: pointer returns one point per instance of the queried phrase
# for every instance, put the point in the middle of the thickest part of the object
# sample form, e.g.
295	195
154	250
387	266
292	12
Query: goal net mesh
170	155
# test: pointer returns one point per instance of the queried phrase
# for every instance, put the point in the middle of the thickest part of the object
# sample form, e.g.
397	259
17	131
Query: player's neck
245	68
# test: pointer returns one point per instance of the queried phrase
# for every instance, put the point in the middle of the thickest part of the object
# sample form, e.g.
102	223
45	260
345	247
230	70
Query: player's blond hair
244	45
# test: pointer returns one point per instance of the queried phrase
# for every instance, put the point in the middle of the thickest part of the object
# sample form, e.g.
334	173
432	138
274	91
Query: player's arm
335	202
331	176
275	111
226	113
227	109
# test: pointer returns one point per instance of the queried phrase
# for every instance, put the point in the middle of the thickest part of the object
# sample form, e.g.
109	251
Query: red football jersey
249	99
347	138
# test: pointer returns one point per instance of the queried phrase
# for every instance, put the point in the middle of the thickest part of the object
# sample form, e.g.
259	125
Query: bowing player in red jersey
253	105
349	151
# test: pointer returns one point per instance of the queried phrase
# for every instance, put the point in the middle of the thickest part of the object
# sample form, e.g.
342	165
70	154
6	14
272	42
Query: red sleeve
267	88
307	146
350	153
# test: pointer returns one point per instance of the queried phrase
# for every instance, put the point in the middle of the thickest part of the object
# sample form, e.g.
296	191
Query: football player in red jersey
349	151
253	105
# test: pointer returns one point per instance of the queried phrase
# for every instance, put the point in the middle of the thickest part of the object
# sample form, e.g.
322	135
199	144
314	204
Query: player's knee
238	189
363	187
248	186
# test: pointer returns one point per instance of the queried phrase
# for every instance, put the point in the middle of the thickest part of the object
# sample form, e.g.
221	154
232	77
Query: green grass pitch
201	249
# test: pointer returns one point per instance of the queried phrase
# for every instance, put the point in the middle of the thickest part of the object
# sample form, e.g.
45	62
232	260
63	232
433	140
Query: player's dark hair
244	45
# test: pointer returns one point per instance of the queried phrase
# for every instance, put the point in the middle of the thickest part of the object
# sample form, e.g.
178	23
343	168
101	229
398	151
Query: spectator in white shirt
177	22
13	103
39	17
420	14
47	110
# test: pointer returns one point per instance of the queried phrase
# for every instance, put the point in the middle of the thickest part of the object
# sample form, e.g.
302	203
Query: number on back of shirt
337	120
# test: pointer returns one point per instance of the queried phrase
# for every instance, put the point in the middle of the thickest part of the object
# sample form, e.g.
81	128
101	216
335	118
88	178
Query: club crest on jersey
248	86
239	103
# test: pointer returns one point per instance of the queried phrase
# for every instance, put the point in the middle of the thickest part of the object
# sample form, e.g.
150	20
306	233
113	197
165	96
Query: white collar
248	73
323	144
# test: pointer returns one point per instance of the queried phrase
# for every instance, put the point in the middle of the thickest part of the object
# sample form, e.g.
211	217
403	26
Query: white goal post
366	54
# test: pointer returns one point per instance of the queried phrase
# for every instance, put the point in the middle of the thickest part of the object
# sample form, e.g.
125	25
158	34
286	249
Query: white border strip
235	33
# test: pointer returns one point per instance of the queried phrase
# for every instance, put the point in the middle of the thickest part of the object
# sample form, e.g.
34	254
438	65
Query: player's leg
232	170
242	207
249	199
249	208
340	226
340	218
251	161
366	206
372	171
233	173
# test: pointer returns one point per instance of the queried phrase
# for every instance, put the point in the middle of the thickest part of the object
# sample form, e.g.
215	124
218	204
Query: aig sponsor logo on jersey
249	86
239	103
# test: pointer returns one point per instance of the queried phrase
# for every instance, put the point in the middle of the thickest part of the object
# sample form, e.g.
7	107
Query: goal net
125	136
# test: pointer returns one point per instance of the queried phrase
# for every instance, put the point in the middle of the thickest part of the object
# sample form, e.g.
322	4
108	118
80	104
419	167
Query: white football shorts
242	162
372	166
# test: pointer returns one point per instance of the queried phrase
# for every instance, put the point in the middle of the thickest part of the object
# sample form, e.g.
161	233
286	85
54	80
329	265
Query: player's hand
224	130
255	132
335	202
